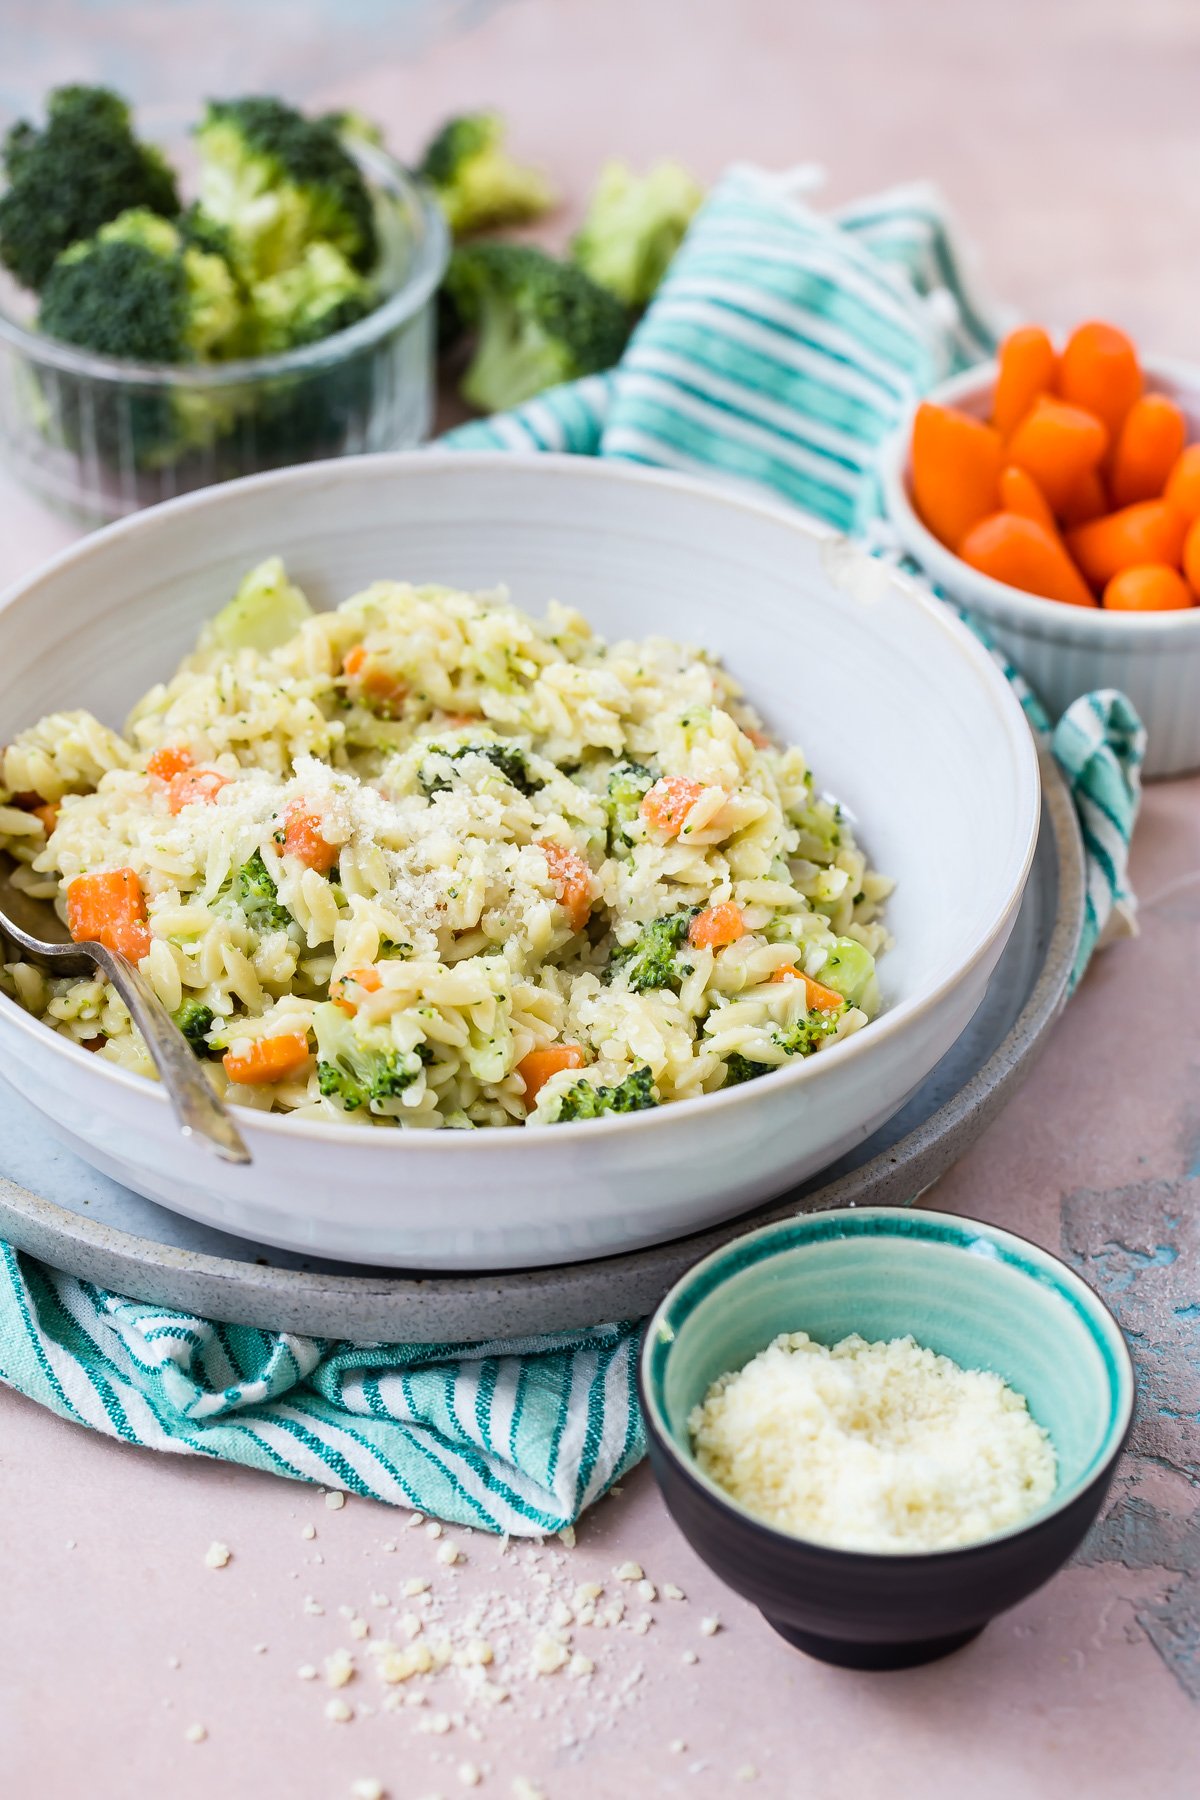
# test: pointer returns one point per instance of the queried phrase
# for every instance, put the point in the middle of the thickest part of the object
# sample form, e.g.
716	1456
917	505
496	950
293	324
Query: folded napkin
783	347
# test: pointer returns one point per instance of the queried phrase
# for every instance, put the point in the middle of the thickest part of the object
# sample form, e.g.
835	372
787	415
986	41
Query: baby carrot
955	470
267	1059
572	881
1191	557
536	1069
1150	443
1099	371
1148	587
1023	553
1020	493
1183	483
823	998
1027	366
302	839
109	906
717	926
669	802
1149	532
1087	500
1057	444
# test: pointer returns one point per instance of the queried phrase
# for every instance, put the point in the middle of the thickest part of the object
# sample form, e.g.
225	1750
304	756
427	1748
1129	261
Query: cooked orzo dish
423	860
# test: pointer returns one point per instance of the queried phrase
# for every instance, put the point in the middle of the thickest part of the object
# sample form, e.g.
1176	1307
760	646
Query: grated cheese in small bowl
873	1446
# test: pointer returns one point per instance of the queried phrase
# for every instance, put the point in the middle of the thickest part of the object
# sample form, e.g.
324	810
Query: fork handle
199	1111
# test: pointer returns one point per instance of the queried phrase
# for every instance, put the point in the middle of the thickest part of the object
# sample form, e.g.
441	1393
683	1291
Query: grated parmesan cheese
873	1446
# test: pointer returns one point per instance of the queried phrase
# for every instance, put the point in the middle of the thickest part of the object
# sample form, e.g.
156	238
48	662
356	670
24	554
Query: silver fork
200	1113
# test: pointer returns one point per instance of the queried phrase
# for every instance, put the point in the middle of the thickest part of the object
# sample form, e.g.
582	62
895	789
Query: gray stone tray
54	1206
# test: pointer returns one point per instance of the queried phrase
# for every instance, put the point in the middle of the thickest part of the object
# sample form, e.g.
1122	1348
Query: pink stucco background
1067	137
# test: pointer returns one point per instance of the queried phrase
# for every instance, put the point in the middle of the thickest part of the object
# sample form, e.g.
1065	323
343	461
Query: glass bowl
99	438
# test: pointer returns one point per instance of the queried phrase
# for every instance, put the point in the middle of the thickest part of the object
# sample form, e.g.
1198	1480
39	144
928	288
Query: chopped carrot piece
759	739
572	880
368	979
109	908
1150	444
194	787
1087	500
823	998
717	926
1027	367
267	1059
1149	532
168	762
302	839
48	814
536	1069
1020	493
376	683
1057	444
1191	557
1099	371
956	464
1148	587
456	721
354	659
1019	551
669	802
1183	483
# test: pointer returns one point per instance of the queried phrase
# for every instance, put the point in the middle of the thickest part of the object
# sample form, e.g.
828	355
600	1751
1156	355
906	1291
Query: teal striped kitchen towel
782	348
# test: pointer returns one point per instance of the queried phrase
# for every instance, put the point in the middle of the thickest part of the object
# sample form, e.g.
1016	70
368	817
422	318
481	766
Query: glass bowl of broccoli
149	346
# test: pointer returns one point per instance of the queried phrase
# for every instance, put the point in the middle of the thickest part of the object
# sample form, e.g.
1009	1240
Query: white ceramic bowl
1065	651
907	721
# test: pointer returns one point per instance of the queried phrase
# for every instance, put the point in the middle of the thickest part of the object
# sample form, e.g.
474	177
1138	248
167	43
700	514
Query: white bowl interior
901	714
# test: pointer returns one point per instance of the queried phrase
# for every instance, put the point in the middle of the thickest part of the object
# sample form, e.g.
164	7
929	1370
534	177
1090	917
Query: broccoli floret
321	294
510	759
808	1033
477	184
266	611
849	970
137	291
628	785
360	1065
536	322
651	960
739	1068
277	181
195	1020
633	228
352	124
255	892
583	1101
82	169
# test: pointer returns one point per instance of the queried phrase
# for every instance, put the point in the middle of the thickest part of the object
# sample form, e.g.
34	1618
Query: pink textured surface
1067	139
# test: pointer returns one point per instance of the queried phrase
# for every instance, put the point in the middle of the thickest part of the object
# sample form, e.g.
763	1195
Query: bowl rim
431	255
1017	1251
487	1140
941	563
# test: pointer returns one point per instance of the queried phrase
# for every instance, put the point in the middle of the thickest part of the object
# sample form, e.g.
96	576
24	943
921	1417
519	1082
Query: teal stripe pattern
782	348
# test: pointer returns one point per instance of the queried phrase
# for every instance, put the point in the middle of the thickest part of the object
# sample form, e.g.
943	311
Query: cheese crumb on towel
873	1446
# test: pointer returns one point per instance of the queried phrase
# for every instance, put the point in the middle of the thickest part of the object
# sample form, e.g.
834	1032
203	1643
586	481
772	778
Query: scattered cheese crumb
335	1500
367	1788
70	1543
173	1662
747	1772
260	1649
689	1656
433	1529
389	1546
709	1627
677	1746
400	1665
196	1734
417	1518
449	1554
671	1592
416	1584
359	1628
438	1723
217	1555
476	1654
339	1712
308	1532
548	1654
313	1607
523	1789
567	1534
339	1668
469	1775
580	1666
379	1600
629	1571
647	1591
307	1671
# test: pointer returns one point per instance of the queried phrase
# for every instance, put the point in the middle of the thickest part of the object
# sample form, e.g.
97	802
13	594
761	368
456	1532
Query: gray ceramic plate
95	1228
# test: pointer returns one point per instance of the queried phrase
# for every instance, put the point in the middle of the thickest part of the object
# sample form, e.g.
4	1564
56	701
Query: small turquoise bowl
985	1298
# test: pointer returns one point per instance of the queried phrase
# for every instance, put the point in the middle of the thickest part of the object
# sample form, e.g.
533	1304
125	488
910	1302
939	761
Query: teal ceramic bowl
985	1298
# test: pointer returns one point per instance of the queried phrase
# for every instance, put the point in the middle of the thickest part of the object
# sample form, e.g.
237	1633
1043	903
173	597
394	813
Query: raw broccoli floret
510	759
137	291
536	322
255	892
477	184
628	785
321	294
633	228
277	181
266	611
583	1101
82	169
651	961
195	1020
360	1065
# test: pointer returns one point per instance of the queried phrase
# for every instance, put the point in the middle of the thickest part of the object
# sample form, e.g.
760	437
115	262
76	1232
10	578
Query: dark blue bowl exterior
867	1611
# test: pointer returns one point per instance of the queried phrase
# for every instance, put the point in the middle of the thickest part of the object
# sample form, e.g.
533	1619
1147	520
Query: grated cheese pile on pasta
423	861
